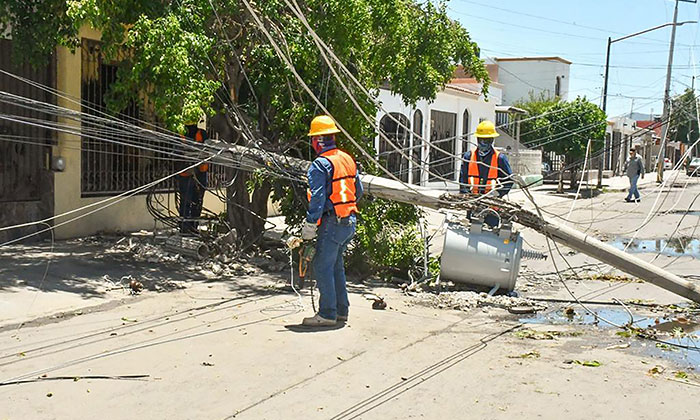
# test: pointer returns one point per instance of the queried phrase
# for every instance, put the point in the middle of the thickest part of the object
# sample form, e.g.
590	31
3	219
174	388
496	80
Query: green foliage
563	127
181	58
683	124
387	239
37	27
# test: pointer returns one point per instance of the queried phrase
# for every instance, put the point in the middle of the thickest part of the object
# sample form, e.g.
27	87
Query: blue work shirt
320	176
504	171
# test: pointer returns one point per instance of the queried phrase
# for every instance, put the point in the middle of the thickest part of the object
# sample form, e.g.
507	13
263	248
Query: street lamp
668	75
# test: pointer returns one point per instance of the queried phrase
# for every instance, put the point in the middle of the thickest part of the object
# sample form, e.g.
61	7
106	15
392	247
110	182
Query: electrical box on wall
58	164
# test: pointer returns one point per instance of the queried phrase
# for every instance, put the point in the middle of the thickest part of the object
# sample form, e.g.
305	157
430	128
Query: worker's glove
308	232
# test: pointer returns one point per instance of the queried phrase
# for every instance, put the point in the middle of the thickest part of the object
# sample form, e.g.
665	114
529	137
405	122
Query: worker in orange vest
485	170
334	190
193	182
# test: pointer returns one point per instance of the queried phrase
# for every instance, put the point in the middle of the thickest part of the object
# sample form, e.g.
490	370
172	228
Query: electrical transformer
483	256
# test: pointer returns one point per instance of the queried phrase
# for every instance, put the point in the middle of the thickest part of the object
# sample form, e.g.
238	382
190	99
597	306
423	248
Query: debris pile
464	301
144	251
216	258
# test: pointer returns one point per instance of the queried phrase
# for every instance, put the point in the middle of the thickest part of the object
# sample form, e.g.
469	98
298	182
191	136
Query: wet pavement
674	337
675	247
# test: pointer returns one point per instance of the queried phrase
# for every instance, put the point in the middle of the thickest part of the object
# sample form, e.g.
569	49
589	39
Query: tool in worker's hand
307	250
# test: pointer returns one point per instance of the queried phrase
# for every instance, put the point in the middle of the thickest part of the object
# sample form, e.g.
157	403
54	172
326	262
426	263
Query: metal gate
26	183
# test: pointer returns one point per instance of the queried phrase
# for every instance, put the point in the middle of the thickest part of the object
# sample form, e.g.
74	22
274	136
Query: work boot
318	321
342	318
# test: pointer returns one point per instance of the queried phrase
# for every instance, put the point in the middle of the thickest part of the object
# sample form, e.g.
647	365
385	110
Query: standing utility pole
605	103
667	99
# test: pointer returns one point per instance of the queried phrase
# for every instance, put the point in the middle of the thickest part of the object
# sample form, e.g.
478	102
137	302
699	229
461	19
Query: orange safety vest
473	174
343	195
199	138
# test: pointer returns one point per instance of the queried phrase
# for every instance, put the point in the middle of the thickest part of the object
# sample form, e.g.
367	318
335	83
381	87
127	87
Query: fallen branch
77	378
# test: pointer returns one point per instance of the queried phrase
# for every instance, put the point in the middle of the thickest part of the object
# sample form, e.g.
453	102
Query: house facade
525	76
447	123
624	133
434	134
69	174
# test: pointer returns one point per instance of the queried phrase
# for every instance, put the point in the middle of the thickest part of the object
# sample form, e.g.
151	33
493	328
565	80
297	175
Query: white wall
519	78
449	100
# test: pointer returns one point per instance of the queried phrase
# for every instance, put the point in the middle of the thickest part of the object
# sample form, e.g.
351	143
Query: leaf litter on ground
545	335
534	354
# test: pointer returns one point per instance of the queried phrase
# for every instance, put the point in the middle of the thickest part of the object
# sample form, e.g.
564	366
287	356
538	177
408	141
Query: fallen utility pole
397	191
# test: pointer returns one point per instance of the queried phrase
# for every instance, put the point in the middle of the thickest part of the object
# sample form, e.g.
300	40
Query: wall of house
448	100
128	214
519	78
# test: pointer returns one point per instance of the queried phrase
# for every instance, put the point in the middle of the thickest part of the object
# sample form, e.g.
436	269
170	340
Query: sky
577	30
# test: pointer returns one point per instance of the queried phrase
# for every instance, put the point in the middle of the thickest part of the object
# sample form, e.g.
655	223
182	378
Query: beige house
68	175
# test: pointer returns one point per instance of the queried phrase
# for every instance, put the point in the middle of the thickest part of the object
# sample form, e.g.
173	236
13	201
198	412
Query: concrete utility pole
252	159
667	100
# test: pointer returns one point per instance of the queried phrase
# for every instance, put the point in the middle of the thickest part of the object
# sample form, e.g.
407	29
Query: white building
522	76
624	133
447	123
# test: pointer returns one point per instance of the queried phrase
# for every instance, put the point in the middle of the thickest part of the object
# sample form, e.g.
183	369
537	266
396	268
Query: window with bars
398	136
111	161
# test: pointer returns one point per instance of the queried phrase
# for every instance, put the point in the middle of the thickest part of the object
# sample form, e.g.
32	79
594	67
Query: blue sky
578	31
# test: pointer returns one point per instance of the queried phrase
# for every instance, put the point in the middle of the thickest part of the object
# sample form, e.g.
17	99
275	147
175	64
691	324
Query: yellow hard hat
323	125
486	129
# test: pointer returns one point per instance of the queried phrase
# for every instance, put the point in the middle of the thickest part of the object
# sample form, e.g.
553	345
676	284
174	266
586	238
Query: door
26	182
443	130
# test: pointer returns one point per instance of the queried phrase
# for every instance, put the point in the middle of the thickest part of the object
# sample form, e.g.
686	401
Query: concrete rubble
467	300
220	262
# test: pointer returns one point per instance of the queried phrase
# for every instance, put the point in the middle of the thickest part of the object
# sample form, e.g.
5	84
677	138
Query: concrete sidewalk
622	183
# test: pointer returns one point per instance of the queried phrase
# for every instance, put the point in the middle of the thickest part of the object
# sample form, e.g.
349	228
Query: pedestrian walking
634	167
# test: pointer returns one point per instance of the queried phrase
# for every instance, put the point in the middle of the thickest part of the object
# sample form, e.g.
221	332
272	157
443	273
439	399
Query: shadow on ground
79	267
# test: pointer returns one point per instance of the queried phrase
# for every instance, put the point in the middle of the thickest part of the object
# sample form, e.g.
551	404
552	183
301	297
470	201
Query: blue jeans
329	269
633	188
191	199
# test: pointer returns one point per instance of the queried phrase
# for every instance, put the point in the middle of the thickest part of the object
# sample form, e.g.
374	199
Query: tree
563	128
683	124
210	54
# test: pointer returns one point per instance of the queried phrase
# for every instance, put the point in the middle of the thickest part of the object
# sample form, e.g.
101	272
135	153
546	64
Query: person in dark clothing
485	170
634	168
192	183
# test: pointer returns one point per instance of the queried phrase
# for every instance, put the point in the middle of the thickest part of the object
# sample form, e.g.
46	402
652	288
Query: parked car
693	168
667	163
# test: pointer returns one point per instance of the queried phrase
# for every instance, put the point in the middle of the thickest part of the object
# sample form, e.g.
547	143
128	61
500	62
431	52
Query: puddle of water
580	317
689	213
687	333
675	247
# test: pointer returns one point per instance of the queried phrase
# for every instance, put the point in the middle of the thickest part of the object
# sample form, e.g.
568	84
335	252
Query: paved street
211	347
